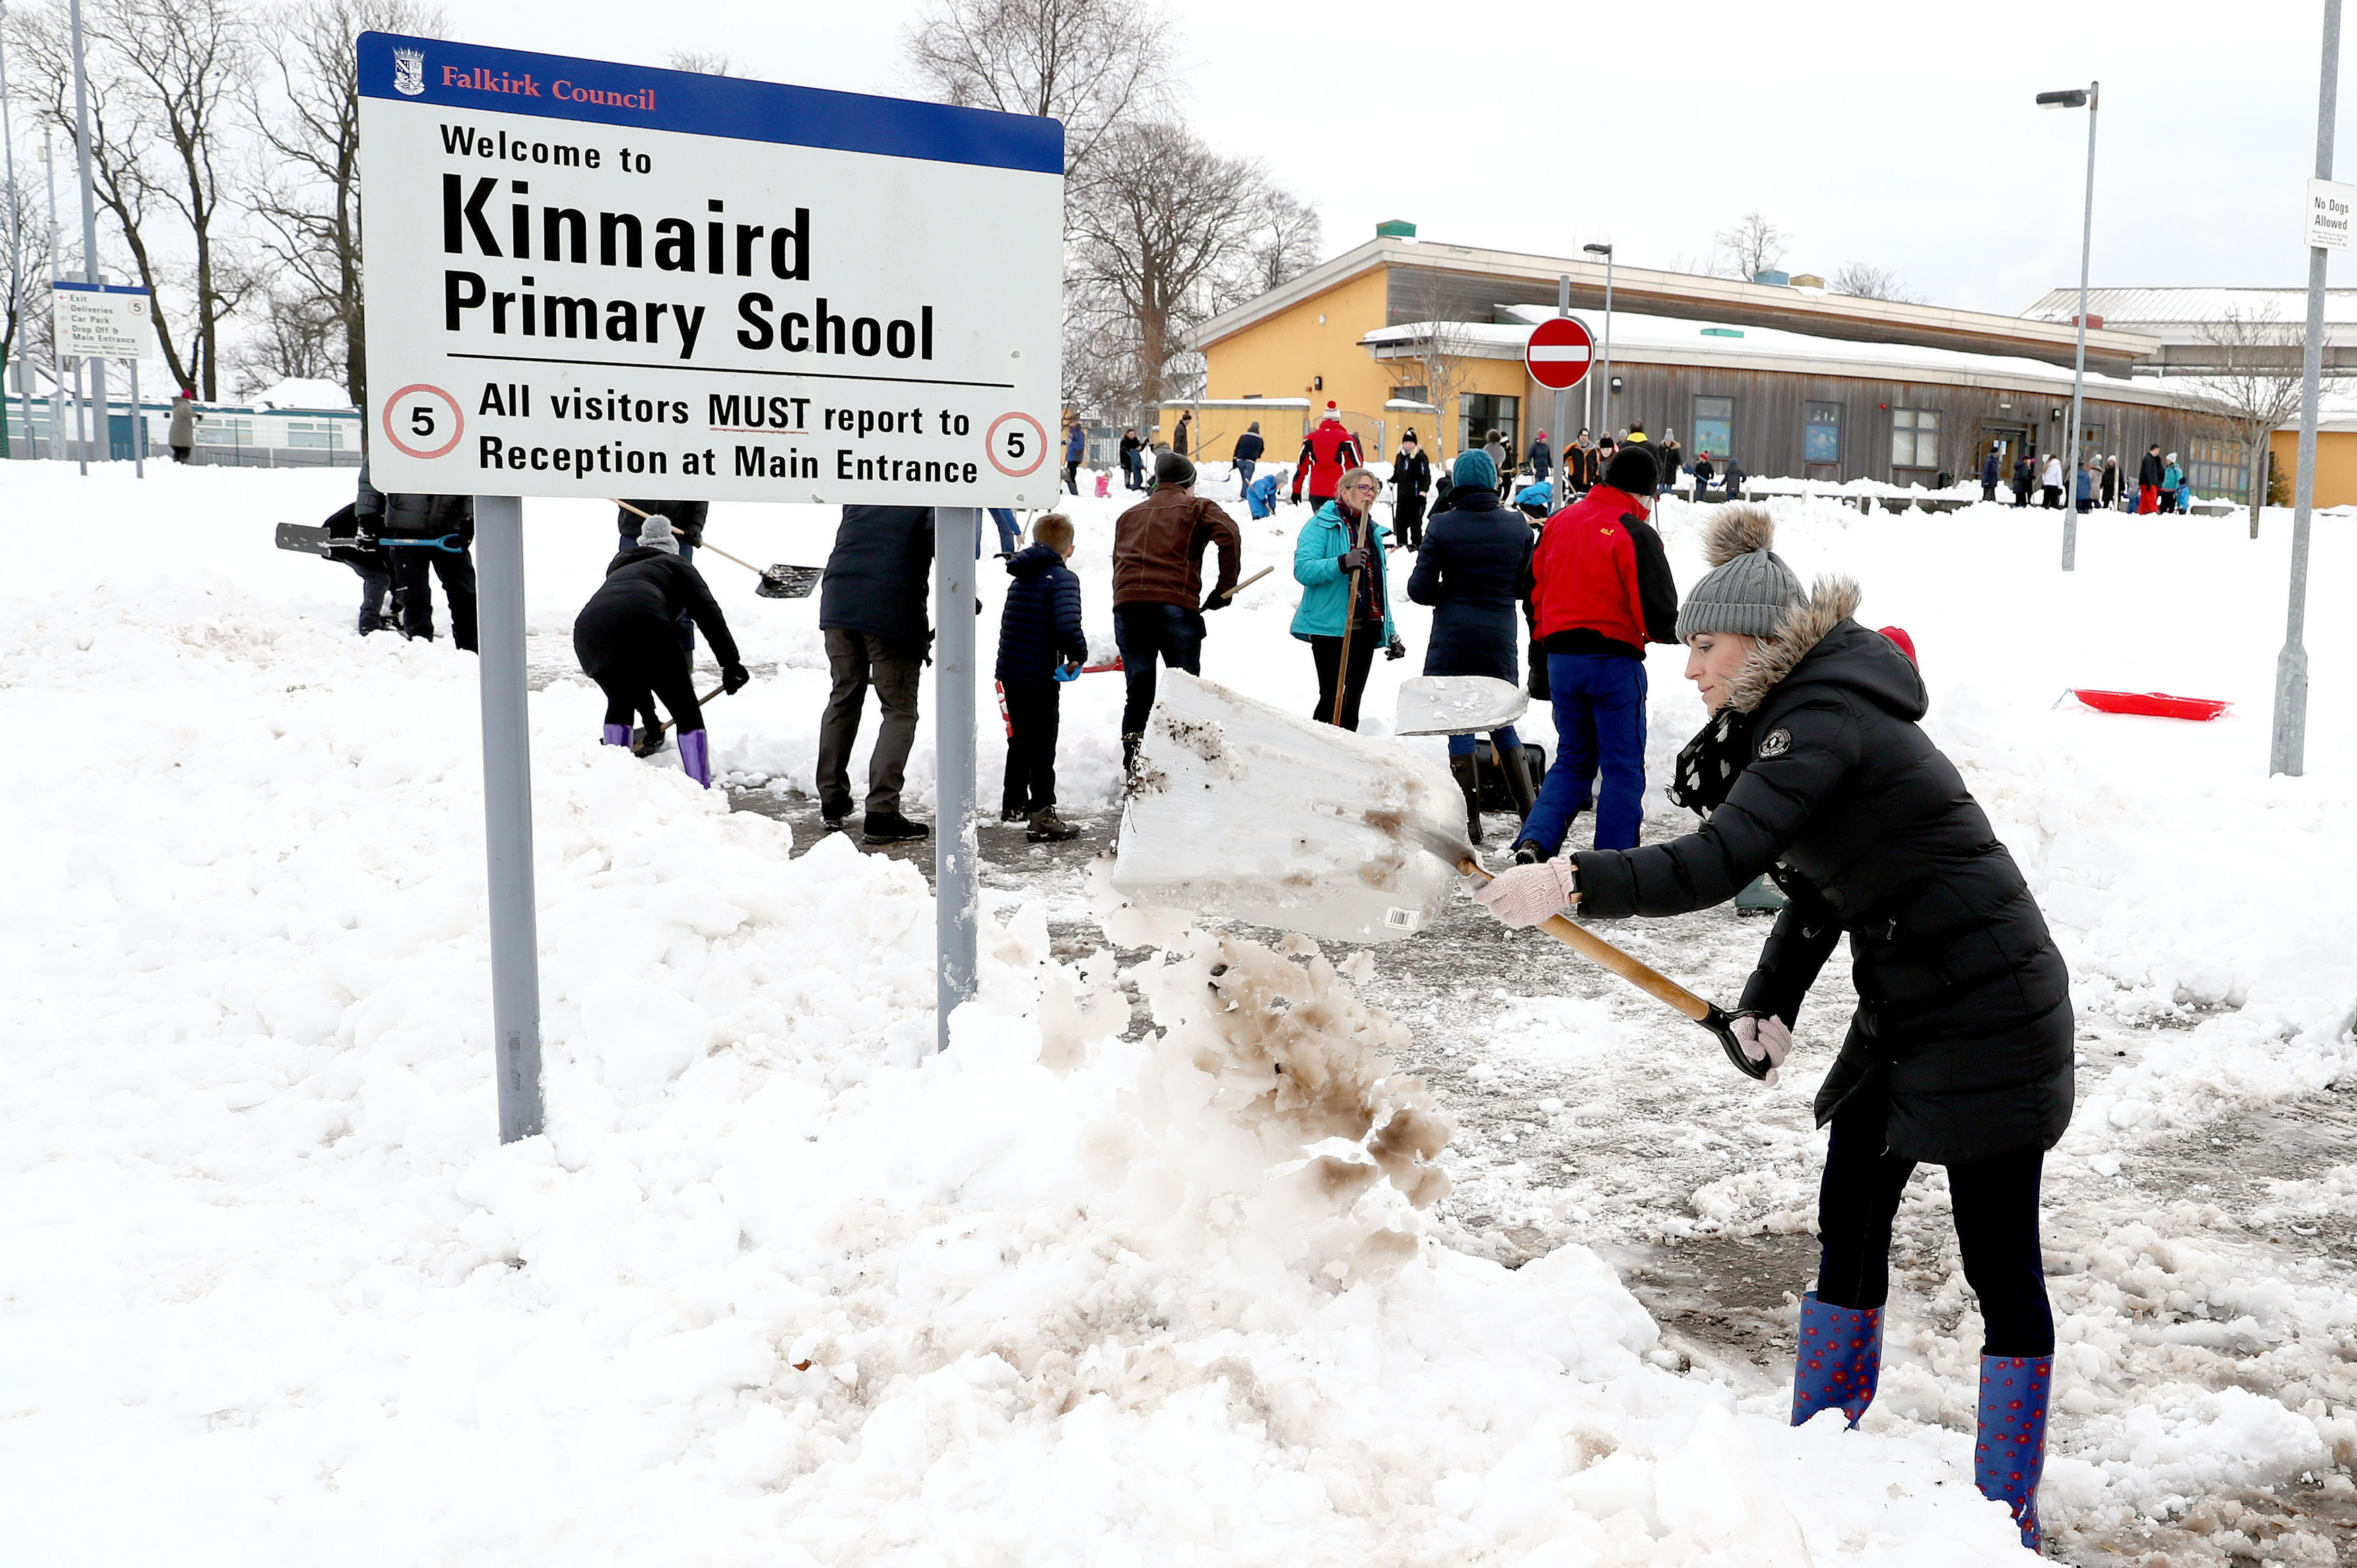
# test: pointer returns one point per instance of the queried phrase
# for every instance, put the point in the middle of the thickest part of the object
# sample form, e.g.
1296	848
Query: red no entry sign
1559	352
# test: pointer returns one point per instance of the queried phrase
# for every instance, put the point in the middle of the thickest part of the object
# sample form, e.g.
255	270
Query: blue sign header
557	87
62	285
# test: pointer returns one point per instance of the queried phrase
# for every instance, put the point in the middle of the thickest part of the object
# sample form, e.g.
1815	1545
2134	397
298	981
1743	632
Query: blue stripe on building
645	98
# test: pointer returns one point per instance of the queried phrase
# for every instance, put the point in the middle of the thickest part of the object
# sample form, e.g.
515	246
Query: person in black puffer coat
1039	635
1813	768
443	527
626	641
1474	571
686	519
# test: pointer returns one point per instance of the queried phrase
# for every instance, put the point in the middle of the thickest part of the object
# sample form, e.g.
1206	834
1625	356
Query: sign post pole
507	818
2288	748
956	531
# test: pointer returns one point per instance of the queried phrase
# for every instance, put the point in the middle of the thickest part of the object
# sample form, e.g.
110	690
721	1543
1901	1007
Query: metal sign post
2288	747
956	851
587	278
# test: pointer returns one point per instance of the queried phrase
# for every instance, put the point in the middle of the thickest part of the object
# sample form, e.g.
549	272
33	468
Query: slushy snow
782	1286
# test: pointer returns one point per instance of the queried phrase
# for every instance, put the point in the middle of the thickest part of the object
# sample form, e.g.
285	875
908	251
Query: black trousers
414	571
1033	708
1145	632
1996	1206
1328	653
2053	496
1988	492
634	660
1407	519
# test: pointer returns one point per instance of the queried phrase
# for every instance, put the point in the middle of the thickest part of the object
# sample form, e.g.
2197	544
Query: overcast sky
1902	136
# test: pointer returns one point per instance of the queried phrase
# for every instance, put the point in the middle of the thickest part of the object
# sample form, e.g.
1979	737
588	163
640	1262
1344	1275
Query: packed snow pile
778	1285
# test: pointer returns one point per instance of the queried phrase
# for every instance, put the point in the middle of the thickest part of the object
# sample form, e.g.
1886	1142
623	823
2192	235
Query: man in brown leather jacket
1157	585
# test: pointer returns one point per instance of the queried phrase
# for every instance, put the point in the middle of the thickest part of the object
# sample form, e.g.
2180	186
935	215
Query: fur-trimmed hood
1865	660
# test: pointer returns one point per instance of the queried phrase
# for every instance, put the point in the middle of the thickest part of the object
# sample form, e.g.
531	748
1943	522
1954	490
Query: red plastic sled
2152	704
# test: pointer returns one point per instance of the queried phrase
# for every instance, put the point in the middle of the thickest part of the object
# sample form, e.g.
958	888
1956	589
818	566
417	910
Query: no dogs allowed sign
591	279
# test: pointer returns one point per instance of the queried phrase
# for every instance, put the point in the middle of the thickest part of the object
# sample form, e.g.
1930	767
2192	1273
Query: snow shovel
780	582
1239	811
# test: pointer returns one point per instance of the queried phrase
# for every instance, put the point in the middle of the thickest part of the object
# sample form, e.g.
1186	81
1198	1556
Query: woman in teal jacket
1341	547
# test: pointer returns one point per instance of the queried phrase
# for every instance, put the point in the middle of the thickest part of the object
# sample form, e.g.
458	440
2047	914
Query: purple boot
2011	1453
695	756
617	735
1840	1359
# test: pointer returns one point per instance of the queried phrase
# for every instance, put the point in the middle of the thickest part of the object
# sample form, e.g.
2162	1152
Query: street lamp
1606	251
2078	98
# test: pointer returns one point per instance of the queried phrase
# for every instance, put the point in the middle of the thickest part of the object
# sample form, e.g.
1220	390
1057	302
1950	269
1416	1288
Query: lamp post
2287	746
2078	98
1606	251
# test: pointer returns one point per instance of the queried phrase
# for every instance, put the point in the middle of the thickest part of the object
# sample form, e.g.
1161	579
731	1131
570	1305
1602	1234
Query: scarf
1711	762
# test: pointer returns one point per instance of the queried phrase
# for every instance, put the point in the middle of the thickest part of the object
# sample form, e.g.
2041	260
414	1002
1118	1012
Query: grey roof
2136	309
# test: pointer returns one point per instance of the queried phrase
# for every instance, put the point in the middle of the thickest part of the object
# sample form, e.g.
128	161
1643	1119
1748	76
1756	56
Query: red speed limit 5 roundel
1017	445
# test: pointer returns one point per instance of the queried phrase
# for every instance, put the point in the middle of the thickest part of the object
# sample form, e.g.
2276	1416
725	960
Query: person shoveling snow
1814	769
627	642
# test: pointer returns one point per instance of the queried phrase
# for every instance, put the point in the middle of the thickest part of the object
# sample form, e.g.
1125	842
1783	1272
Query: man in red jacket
1602	589
1328	452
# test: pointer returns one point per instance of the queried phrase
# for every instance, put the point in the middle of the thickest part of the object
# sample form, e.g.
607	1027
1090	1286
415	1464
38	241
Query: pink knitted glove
1528	895
1764	1037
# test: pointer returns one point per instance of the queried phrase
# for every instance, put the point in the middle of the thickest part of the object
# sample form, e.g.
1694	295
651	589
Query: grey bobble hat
654	533
1748	588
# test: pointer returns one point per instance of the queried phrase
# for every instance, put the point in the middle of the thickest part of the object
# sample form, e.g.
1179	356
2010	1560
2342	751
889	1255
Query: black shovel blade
309	538
788	583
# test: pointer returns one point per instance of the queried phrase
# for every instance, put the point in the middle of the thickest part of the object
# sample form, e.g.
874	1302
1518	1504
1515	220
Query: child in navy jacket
1039	636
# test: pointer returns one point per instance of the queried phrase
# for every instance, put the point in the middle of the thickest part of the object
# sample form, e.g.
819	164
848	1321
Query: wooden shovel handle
714	695
635	511
1256	576
1587	944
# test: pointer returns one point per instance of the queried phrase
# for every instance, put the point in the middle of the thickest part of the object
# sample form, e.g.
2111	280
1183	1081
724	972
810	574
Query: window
1821	432
1713	426
1478	413
1915	438
215	430
2218	466
321	432
1408	394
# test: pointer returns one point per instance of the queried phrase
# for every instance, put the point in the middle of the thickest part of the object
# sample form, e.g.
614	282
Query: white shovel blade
1242	812
1458	704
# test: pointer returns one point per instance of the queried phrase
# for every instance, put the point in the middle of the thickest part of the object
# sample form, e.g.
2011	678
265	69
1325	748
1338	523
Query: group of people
1811	770
2163	485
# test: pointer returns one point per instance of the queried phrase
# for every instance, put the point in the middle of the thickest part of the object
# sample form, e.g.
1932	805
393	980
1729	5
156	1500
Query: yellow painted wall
1320	337
2336	464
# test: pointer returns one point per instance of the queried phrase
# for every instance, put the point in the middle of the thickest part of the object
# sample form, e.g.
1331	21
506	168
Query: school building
1790	381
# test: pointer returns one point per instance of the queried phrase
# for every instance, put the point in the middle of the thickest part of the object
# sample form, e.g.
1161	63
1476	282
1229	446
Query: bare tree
1751	247
1286	247
1093	64
703	62
25	238
1441	352
1861	280
306	202
1152	234
299	336
162	76
2255	390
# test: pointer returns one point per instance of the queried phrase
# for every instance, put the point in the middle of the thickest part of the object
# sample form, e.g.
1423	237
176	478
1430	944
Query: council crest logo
409	72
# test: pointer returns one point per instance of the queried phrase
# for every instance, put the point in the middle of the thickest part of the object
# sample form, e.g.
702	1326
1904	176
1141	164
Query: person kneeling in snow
1814	770
626	638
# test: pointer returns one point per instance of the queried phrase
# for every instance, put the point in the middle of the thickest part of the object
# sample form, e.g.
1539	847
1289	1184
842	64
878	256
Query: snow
302	395
778	1285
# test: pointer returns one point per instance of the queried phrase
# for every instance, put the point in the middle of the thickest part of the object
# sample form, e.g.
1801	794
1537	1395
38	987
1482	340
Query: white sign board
2330	210
101	321
591	279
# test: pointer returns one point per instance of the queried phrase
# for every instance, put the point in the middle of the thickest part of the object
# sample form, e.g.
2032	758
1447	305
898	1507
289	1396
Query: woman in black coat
628	642
1814	769
1474	571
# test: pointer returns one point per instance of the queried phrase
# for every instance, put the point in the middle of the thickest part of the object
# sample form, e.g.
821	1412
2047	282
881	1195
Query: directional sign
1559	353
101	320
592	279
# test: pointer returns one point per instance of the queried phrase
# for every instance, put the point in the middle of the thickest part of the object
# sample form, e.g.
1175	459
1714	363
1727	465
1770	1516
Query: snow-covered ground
780	1286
